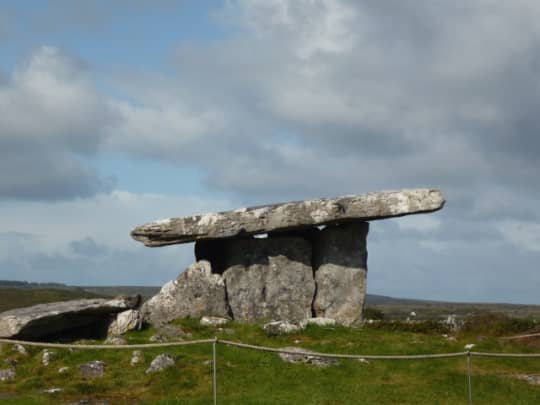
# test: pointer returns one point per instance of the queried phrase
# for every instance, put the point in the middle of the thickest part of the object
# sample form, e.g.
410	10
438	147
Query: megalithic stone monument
313	261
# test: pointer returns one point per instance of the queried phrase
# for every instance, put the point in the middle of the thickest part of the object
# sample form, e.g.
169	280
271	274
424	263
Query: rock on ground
318	321
310	358
47	356
340	272
281	328
136	358
48	319
195	293
92	369
125	321
269	278
7	374
213	321
160	363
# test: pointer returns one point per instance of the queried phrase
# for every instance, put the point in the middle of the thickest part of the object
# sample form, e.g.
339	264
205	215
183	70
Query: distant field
11	298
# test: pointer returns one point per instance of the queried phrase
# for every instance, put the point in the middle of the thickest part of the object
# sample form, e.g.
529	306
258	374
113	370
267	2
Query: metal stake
214	384
469	372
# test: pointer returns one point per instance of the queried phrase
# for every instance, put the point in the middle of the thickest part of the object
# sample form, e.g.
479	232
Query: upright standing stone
269	279
196	292
340	265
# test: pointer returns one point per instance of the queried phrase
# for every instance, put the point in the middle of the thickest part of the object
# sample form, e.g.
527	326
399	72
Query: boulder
160	363
269	279
195	293
291	215
340	265
44	320
125	321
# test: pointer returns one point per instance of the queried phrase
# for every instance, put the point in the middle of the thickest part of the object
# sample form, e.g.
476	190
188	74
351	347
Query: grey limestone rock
160	363
47	356
309	358
269	279
340	275
48	319
196	292
125	321
281	328
213	321
136	358
291	215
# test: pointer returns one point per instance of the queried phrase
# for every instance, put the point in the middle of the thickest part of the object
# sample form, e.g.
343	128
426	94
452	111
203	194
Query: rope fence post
214	369
469	373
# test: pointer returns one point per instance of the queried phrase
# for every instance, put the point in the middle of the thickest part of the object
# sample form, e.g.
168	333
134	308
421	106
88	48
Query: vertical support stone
340	264
269	279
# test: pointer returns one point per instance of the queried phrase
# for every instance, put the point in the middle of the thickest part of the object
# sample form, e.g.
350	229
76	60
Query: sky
114	114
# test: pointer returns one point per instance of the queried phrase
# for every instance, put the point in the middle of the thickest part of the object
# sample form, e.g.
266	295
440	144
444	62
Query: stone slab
291	215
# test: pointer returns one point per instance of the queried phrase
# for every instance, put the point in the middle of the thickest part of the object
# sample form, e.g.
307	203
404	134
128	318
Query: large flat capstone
291	215
58	317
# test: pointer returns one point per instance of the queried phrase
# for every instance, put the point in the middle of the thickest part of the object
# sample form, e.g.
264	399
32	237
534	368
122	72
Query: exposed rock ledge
291	215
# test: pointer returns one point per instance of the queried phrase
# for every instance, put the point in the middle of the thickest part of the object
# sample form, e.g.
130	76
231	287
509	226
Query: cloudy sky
113	114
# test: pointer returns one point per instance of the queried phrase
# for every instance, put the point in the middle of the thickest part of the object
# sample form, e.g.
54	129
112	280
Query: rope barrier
343	356
105	347
266	349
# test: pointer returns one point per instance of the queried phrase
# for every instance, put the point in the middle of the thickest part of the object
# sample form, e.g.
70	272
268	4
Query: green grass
250	377
11	298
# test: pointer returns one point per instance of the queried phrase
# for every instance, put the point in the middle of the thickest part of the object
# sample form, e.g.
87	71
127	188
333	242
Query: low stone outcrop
281	328
196	292
44	320
160	363
309	358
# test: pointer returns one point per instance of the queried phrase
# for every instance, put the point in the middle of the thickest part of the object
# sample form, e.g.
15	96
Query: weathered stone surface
196	292
310	358
92	369
125	321
256	220
340	275
48	319
269	279
160	363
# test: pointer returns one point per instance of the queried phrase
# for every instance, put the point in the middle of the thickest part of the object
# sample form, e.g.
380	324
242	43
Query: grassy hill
11	298
249	377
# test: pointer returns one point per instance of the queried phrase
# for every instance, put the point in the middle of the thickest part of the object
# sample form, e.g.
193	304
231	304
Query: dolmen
288	261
